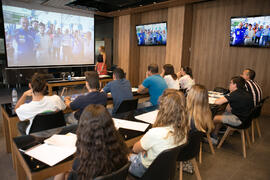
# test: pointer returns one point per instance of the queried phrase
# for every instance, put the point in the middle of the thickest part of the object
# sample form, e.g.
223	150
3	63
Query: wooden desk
9	127
61	83
23	170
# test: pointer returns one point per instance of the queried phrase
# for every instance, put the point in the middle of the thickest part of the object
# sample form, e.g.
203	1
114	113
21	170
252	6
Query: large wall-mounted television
43	38
152	34
251	31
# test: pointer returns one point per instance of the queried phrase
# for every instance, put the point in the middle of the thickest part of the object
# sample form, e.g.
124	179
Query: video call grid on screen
42	38
252	31
152	34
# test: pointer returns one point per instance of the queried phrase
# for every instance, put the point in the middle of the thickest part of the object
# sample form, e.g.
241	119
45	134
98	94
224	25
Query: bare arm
23	98
221	100
142	89
137	148
67	101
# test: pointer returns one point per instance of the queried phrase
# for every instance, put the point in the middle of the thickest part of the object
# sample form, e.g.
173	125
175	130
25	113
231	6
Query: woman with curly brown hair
169	130
100	148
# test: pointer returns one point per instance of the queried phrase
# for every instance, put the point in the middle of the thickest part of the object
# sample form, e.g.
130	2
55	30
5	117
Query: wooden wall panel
124	42
115	39
152	54
175	36
213	61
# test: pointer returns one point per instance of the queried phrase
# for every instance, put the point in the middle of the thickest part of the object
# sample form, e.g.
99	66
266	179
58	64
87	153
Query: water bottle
14	96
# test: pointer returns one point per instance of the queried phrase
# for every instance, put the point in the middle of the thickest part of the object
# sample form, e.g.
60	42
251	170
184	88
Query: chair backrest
45	121
127	106
221	90
192	148
120	174
163	167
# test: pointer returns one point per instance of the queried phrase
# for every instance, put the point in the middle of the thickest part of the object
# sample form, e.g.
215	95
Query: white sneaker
214	141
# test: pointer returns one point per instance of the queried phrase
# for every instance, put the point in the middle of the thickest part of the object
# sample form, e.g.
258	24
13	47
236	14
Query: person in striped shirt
252	86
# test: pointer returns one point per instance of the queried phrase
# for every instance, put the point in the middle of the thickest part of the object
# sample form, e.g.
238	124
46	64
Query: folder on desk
125	124
55	149
149	117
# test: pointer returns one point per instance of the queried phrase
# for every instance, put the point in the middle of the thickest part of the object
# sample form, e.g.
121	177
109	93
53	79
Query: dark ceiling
110	5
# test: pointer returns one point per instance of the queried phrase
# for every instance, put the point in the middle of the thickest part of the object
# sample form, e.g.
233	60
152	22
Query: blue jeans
136	167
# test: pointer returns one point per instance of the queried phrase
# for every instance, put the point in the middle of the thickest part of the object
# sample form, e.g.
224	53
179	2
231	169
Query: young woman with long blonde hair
198	110
169	130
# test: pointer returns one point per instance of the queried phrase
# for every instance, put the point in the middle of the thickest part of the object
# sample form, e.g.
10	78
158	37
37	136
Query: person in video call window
42	40
25	41
66	45
258	35
57	38
249	35
141	37
239	35
265	35
88	46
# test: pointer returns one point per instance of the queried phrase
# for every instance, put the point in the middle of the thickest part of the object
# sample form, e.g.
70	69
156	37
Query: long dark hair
100	148
169	70
188	71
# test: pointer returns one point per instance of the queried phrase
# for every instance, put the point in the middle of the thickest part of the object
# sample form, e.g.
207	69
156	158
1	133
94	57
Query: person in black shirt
93	97
238	109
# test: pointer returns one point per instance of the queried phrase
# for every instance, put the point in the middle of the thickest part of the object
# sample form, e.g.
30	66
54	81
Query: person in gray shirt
120	88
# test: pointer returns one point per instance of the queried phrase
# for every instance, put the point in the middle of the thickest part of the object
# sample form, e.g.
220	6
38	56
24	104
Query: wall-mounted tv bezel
162	22
247	46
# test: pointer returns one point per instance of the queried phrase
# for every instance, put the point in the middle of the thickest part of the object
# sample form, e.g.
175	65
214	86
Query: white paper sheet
68	140
125	124
104	76
134	89
149	117
211	100
50	154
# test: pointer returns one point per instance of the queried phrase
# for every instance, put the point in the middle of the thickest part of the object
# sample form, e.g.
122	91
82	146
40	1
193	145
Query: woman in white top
186	79
169	131
170	77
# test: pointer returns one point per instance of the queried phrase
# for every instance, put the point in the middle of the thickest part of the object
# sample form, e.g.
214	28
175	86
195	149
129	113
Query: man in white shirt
39	103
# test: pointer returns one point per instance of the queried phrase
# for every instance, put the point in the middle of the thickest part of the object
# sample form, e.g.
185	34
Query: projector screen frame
246	46
46	66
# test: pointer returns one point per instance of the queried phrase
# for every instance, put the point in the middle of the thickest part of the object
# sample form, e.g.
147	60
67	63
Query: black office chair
45	121
126	109
120	174
189	151
255	120
163	167
242	129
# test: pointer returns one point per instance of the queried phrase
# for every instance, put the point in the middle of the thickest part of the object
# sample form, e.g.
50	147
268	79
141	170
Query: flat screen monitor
43	38
152	34
252	31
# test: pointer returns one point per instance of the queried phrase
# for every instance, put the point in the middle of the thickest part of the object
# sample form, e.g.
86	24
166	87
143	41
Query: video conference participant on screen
25	42
239	35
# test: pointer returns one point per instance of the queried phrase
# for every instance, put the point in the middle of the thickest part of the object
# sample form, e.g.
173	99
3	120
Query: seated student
119	87
93	96
39	103
170	77
185	78
153	83
198	110
169	130
100	148
238	109
252	86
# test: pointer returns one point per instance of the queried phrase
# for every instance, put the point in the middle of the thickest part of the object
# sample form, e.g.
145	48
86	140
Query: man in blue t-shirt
92	97
141	38
120	88
25	41
239	35
154	84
